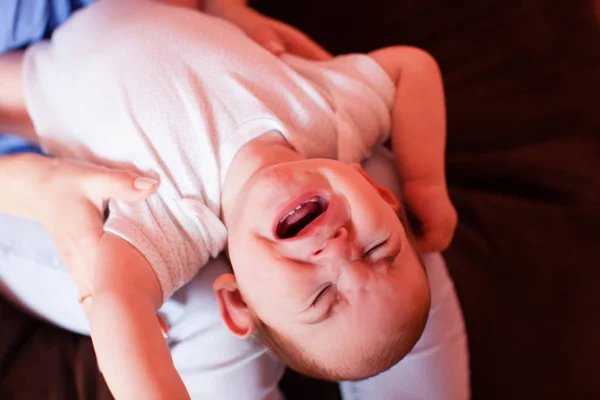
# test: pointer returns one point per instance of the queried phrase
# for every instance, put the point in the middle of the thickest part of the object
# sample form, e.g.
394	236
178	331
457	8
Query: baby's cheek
417	284
407	276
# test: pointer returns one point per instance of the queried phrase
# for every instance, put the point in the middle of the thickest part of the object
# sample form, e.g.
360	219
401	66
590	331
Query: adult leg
214	364
33	276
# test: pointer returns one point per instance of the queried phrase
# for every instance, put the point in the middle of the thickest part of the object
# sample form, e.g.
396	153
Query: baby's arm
132	353
419	141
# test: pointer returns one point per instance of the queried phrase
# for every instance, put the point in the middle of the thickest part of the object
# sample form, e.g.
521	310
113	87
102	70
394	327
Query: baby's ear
384	192
234	310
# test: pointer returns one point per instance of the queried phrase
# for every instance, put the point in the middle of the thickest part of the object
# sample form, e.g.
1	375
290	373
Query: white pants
216	365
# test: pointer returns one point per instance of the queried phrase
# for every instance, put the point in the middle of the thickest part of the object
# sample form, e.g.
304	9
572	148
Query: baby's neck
266	150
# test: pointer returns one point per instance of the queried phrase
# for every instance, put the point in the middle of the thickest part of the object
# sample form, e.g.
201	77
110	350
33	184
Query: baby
256	154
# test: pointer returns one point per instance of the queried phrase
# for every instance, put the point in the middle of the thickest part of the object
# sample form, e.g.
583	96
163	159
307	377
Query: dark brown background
523	94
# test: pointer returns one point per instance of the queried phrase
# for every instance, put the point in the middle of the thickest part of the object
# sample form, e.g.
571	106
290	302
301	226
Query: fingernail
144	183
275	47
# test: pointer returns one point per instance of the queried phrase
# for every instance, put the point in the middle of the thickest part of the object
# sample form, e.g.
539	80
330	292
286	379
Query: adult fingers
300	44
269	39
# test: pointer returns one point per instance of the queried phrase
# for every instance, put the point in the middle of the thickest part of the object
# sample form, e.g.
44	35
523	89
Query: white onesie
175	94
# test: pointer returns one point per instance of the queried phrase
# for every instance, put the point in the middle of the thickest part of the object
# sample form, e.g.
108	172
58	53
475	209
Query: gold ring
86	298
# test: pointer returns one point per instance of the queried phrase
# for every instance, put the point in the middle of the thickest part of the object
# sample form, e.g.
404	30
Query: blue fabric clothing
25	21
12	145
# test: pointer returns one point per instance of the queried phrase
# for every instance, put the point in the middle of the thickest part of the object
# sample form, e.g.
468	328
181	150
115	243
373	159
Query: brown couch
523	95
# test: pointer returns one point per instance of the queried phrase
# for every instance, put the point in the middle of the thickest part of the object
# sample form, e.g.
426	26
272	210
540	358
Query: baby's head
324	270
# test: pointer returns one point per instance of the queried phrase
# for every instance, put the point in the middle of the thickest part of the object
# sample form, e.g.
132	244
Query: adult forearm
14	117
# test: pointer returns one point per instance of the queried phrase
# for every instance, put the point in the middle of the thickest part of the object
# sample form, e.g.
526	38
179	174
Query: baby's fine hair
373	360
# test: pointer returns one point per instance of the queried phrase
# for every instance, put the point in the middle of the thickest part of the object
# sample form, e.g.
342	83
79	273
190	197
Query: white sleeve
363	95
177	237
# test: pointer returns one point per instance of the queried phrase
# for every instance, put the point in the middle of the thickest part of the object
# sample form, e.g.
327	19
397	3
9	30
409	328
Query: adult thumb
121	185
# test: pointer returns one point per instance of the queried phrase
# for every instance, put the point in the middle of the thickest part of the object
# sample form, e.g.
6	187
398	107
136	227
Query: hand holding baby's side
275	36
435	214
68	200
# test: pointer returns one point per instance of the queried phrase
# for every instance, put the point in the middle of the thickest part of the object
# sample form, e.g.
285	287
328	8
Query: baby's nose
336	247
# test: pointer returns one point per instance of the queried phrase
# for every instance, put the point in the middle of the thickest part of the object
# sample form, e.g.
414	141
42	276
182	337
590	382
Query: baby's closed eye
321	294
376	247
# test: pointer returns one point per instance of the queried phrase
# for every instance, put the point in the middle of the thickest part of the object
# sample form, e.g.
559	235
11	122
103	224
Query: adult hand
68	199
275	36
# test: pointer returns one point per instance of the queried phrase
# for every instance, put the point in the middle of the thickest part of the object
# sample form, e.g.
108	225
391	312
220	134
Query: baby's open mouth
301	216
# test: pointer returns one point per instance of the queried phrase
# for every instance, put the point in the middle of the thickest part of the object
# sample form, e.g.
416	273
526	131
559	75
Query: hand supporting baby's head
325	272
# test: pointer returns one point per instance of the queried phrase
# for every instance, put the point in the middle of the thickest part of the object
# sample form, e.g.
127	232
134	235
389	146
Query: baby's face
322	258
